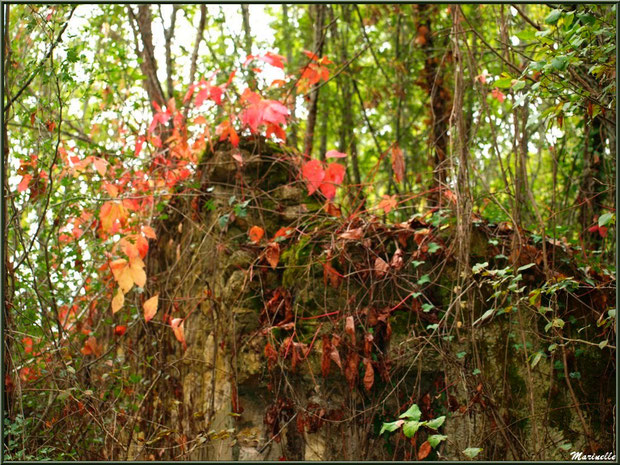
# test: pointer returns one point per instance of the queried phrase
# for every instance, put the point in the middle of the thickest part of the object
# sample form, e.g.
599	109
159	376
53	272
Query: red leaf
273	254
256	234
369	375
27	341
314	174
398	163
283	232
23	185
424	450
119	330
602	230
271	354
334	175
496	93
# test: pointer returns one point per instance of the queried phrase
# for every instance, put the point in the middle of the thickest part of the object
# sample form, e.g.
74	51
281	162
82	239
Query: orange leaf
369	375
424	450
330	274
119	330
273	254
91	346
353	234
150	307
149	232
177	329
101	165
27	341
256	234
23	185
136	271
388	203
118	301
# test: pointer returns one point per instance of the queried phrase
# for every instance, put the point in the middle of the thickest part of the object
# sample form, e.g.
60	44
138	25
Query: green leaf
427	307
479	266
411	427
472	452
424	279
485	315
433	247
390	426
604	219
566	446
223	220
460	355
525	267
504	83
536	359
586	18
436	422
603	344
412	413
518	85
560	62
435	439
553	17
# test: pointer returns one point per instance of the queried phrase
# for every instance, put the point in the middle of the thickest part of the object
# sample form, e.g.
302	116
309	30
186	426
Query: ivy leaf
436	422
604	219
411	427
390	426
472	452
412	413
435	439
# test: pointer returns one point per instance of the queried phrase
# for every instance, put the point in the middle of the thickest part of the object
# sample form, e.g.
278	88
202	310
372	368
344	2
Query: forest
309	232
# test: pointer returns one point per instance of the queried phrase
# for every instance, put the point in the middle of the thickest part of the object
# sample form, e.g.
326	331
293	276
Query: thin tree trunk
292	137
433	77
317	48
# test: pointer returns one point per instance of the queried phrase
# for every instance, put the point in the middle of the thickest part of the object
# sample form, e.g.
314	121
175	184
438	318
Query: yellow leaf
150	307
137	274
125	280
118	301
